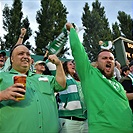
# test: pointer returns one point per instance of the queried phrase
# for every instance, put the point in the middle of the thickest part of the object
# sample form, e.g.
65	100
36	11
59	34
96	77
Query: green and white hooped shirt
72	100
130	75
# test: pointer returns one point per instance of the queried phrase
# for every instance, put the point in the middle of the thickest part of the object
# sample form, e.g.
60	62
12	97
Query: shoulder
125	79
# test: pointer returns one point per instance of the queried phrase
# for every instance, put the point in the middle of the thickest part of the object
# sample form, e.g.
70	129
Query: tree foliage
51	19
115	31
126	24
12	24
124	27
97	28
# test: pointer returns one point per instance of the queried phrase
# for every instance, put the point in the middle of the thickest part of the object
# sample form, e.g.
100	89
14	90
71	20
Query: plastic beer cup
20	79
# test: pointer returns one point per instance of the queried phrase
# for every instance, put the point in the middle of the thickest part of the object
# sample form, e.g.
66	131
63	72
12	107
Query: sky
75	9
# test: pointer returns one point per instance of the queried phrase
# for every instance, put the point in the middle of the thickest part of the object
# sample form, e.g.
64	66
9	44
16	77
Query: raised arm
21	37
60	75
78	52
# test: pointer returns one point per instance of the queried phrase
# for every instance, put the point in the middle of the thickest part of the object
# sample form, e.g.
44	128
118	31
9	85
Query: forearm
60	75
79	54
20	40
21	36
1	96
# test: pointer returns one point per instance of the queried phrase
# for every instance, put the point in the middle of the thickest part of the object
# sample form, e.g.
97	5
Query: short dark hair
103	50
131	63
124	69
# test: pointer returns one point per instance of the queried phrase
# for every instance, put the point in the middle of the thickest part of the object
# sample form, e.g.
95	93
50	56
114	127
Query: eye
21	53
104	58
28	54
111	58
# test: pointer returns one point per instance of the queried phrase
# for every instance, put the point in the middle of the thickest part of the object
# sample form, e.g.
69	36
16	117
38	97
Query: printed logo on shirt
115	85
45	79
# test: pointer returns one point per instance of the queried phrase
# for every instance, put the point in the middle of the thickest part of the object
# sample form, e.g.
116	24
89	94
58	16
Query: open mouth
108	67
1	61
25	60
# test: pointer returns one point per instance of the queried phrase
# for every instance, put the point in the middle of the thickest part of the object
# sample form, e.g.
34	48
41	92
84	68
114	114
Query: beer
20	79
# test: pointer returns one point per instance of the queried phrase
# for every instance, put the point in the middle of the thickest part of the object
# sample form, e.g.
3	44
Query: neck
39	72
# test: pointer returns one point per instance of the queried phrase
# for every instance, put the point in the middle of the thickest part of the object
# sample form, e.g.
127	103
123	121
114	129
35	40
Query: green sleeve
79	54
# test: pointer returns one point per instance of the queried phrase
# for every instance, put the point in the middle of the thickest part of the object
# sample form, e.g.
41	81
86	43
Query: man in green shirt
106	101
37	113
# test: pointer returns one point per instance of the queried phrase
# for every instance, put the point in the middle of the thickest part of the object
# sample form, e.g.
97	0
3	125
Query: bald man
38	110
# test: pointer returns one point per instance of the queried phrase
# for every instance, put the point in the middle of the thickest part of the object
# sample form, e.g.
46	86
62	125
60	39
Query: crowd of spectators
60	100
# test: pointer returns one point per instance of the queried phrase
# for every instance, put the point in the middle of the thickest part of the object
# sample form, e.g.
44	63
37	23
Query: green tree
2	46
13	22
97	28
115	31
51	19
125	24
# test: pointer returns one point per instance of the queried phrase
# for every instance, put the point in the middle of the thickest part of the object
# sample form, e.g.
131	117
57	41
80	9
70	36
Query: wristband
21	37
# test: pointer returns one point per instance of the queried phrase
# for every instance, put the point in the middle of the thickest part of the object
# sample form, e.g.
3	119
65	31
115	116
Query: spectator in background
37	113
125	71
2	60
118	65
32	65
127	83
41	68
108	108
72	109
117	71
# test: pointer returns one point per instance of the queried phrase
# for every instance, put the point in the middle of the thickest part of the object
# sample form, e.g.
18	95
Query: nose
25	56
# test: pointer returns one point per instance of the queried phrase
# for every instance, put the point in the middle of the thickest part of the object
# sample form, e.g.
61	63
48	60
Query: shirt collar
29	73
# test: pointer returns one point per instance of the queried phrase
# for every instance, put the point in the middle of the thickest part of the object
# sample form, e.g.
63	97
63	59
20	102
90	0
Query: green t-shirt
106	101
37	113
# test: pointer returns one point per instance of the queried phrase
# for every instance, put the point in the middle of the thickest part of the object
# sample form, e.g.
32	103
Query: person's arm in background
21	36
46	55
50	67
60	74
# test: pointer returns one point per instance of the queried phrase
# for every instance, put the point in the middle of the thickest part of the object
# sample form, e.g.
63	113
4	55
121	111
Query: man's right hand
69	26
12	92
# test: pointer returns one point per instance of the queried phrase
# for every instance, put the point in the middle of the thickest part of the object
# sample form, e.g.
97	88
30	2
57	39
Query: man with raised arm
37	113
106	101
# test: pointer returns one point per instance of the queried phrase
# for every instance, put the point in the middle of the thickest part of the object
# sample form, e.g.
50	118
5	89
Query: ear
11	59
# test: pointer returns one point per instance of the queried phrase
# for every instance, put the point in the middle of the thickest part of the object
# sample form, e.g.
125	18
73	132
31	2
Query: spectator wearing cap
127	83
41	68
2	60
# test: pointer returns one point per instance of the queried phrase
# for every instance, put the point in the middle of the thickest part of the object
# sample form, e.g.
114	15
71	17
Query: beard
108	76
